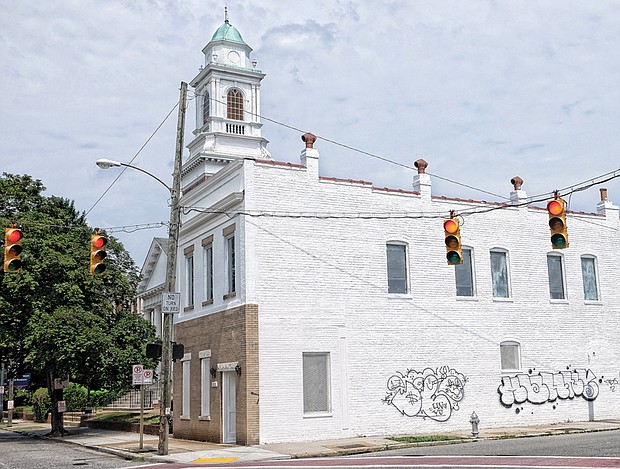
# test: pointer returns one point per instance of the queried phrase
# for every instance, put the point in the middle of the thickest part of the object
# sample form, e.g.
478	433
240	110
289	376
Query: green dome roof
227	32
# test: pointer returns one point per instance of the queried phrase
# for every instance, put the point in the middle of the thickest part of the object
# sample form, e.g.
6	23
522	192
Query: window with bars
316	383
234	105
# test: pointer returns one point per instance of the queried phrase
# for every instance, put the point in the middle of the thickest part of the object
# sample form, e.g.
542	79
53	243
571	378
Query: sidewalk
126	445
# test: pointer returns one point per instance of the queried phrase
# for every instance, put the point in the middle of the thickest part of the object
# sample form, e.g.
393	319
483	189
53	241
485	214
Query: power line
132	160
358	150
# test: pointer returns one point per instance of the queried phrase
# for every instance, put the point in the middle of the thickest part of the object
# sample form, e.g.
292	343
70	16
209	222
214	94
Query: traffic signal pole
173	242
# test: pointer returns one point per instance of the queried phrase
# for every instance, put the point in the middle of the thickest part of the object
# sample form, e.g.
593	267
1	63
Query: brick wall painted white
320	283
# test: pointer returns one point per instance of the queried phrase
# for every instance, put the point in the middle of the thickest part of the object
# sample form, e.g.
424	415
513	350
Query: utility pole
173	242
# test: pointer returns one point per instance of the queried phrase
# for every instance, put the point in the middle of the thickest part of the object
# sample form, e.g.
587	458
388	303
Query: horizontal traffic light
12	249
452	234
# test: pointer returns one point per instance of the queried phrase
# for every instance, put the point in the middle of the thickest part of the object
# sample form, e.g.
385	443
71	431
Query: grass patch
423	438
127	417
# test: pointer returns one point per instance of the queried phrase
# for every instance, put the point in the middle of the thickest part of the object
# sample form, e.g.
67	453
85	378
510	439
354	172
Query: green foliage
102	397
423	438
56	319
41	404
76	397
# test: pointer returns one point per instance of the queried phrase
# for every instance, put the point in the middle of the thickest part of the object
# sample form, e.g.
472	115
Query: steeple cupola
227	90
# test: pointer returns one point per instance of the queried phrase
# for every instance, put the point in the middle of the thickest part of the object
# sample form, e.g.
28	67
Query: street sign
137	373
10	404
62	406
147	377
171	303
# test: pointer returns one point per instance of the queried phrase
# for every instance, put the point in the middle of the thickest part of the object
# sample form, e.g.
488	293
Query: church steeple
227	104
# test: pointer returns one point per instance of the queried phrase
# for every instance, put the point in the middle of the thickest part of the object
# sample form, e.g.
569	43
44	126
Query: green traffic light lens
14	265
453	257
558	240
99	269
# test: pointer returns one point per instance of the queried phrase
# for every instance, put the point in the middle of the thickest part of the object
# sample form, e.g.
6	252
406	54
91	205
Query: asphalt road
24	452
596	444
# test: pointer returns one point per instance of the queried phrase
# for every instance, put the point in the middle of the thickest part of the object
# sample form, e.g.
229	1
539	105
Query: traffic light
97	254
452	231
12	249
557	223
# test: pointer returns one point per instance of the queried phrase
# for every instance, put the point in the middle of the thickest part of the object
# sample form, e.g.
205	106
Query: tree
56	318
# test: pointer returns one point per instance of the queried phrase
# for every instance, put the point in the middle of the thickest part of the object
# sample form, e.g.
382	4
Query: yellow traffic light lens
556	224
452	242
451	226
555	207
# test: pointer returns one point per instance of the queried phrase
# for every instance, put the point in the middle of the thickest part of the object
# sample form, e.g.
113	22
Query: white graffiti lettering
548	387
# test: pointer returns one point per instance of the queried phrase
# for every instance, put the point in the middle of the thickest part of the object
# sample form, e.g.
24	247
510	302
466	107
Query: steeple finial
226	15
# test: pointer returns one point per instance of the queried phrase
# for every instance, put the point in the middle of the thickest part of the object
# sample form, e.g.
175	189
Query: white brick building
316	307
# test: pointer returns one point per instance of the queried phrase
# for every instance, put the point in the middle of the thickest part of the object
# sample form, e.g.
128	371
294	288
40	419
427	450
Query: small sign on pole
10	405
137	374
171	303
62	406
147	377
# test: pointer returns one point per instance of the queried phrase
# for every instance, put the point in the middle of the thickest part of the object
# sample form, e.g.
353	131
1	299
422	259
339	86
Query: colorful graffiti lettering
545	387
430	394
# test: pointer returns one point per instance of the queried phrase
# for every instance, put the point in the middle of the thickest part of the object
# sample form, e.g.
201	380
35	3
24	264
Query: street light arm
106	164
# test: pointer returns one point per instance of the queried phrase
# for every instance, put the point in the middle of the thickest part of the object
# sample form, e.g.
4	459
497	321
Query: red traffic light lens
99	241
555	207
14	235
451	226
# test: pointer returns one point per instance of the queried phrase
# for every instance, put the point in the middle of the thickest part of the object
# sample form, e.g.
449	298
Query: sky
483	90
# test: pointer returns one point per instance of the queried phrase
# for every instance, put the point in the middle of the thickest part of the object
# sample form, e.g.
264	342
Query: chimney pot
309	139
603	195
421	165
517	182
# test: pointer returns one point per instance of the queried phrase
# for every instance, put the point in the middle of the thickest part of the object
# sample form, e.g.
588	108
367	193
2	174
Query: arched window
510	352
206	108
234	103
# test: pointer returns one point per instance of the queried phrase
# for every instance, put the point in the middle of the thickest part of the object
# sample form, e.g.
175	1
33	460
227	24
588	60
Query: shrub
76	397
41	404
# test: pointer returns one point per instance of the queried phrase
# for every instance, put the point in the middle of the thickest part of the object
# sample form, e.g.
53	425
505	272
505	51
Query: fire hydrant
474	420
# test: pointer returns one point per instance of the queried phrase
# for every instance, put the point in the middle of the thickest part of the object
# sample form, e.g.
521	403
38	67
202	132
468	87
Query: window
499	274
205	385
464	275
510	352
588	272
234	103
207	249
397	268
229	236
556	277
186	386
189	279
206	108
316	383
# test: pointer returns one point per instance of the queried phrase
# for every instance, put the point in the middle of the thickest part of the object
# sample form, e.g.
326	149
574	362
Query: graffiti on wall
433	394
543	387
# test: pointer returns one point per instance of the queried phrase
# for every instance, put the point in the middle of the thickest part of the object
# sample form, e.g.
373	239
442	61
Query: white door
229	406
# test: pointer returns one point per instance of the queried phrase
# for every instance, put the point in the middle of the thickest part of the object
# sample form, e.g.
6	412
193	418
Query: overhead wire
132	159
